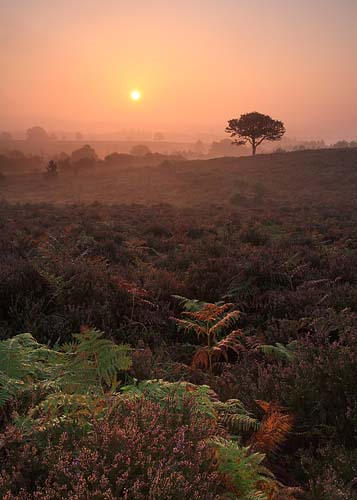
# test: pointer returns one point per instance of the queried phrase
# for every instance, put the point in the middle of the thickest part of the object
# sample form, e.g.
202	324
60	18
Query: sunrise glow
135	95
186	67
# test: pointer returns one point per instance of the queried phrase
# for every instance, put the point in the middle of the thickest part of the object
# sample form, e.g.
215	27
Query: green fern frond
9	388
89	365
234	417
243	471
63	411
239	423
93	362
161	391
22	356
190	305
279	352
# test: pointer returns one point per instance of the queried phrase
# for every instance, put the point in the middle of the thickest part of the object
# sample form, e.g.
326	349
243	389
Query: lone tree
255	128
37	134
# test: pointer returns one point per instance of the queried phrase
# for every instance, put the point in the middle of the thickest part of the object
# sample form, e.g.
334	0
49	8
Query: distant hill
319	176
102	148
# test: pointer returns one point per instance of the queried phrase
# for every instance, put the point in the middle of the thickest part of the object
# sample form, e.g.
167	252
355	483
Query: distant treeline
15	161
83	158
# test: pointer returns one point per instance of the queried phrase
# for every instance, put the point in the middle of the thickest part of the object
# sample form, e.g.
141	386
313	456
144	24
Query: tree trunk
254	148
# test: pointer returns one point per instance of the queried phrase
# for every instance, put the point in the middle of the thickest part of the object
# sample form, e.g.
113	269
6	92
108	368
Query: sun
135	95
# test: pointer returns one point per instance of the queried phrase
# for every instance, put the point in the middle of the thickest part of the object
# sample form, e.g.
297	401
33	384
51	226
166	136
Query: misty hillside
311	176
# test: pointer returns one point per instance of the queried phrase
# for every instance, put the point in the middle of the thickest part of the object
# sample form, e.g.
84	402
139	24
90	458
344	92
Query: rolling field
308	176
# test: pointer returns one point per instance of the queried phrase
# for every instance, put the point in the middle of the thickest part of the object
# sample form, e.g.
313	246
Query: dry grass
246	181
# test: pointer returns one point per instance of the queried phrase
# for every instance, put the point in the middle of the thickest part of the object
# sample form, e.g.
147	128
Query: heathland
225	291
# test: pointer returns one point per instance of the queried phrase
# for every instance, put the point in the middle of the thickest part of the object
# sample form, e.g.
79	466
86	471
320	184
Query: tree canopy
84	152
255	128
140	150
37	134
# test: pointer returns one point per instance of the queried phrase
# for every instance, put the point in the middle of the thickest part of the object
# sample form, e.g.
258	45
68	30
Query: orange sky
70	65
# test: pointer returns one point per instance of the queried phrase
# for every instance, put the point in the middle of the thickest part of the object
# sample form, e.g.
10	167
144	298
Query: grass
307	176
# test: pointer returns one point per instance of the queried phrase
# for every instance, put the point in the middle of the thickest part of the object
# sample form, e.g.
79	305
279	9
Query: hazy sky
70	64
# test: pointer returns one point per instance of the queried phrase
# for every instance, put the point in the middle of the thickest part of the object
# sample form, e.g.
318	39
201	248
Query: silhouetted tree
85	152
15	154
221	148
119	159
37	134
255	128
140	150
158	136
343	144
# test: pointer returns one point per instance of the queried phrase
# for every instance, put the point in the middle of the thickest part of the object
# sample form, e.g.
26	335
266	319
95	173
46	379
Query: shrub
140	451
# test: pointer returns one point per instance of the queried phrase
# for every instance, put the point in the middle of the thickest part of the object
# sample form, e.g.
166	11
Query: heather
137	451
207	350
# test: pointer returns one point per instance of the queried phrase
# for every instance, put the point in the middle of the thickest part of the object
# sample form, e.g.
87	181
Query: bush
140	451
